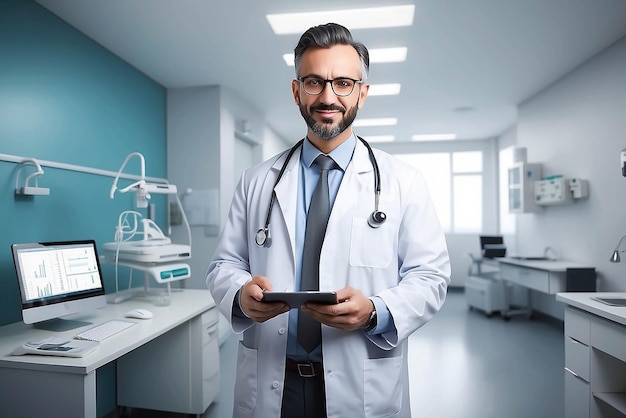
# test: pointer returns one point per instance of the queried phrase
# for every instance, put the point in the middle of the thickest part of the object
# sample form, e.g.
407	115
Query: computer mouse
139	314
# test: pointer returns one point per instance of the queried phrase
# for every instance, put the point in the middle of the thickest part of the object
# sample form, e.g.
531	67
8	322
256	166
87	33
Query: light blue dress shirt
309	176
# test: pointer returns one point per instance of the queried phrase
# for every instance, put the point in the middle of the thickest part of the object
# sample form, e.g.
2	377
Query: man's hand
251	294
351	313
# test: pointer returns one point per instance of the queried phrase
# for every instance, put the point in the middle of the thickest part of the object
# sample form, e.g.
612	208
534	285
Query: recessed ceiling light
375	122
376	55
375	17
384	89
388	55
434	137
380	138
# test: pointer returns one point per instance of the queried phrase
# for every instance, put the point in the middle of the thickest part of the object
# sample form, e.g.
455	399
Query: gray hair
325	36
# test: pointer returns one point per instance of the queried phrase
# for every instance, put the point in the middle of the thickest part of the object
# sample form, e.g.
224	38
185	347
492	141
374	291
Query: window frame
490	185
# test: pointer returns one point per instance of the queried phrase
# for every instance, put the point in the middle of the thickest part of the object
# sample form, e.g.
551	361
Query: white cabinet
521	181
577	364
177	372
595	364
486	294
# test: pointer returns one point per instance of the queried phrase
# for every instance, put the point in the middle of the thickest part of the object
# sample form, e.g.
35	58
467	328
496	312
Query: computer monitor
492	246
58	279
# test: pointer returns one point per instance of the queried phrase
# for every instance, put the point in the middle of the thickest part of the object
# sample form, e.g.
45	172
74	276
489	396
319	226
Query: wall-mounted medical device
560	190
27	189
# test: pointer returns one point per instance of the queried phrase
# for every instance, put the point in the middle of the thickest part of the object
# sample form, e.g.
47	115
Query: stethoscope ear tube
262	236
375	220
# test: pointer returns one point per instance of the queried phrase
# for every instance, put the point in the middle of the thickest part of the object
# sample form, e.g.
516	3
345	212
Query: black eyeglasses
341	86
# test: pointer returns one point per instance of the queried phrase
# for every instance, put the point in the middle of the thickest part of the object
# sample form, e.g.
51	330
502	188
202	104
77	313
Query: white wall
202	124
193	132
273	144
577	128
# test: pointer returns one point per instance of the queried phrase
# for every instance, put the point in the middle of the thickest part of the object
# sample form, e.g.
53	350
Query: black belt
305	368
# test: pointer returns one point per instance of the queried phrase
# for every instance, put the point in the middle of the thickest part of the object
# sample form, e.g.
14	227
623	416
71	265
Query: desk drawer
527	277
609	337
577	358
577	325
577	397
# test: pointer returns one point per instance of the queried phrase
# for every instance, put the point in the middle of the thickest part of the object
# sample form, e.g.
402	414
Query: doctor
384	253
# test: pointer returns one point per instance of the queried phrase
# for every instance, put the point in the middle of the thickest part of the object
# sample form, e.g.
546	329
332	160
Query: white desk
546	276
595	356
49	386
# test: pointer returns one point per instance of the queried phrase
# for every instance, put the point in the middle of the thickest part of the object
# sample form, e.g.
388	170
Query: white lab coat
404	262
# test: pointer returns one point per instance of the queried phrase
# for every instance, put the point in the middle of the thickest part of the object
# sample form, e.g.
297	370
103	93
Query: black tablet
297	299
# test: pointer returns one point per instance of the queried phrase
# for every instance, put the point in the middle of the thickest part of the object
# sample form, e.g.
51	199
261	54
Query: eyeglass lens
340	86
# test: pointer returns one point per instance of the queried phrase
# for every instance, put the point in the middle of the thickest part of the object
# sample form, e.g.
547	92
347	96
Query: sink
612	301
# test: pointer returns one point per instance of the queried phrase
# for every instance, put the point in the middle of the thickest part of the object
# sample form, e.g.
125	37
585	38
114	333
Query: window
455	182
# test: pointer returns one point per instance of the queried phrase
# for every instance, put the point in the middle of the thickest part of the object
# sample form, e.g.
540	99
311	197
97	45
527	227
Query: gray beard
324	130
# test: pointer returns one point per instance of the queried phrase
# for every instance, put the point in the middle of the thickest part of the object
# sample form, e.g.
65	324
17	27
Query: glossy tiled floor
464	365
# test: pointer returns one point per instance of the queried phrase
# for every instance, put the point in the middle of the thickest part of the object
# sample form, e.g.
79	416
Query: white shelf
616	400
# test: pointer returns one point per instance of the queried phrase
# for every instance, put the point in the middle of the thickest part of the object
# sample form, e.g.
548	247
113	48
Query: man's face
327	115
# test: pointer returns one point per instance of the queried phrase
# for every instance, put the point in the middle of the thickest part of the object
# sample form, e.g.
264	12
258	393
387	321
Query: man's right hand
251	295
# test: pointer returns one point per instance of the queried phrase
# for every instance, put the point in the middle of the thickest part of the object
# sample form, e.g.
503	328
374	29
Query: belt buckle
306	369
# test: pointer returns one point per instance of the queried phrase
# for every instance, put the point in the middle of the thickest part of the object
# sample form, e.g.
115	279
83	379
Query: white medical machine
139	242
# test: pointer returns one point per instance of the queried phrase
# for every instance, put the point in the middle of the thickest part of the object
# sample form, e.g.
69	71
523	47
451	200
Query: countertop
584	301
545	264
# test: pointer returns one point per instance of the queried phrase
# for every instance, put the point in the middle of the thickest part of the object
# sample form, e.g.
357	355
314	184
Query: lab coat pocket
382	387
371	247
246	382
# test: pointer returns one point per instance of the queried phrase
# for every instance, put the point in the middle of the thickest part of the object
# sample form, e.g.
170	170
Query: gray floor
463	365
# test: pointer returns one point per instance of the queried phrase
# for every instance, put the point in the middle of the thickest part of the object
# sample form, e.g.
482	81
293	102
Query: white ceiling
485	55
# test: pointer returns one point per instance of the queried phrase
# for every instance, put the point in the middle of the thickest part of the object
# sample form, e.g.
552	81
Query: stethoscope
376	219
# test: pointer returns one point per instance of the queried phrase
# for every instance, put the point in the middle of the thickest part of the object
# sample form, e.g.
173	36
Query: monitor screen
56	279
492	246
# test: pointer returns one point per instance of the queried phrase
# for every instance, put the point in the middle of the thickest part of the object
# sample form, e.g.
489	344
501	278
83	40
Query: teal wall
64	98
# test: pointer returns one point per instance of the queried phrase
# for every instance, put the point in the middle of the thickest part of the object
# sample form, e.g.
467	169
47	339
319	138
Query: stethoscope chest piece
262	237
376	219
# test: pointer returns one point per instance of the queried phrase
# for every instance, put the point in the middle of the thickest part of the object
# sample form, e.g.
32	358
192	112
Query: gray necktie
309	329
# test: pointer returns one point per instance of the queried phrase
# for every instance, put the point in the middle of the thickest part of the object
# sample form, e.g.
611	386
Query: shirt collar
342	154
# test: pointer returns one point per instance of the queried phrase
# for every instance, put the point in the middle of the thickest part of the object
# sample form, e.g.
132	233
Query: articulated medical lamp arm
137	183
615	258
141	187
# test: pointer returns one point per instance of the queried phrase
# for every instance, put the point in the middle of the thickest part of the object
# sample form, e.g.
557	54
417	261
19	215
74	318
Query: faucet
551	254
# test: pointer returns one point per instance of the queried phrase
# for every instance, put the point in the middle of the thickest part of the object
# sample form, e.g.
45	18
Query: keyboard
105	330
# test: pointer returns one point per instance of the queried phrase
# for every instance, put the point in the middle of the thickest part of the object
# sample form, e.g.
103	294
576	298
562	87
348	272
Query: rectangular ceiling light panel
367	18
434	137
384	89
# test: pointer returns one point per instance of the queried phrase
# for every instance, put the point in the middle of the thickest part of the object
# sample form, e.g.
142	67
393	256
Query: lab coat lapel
286	195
